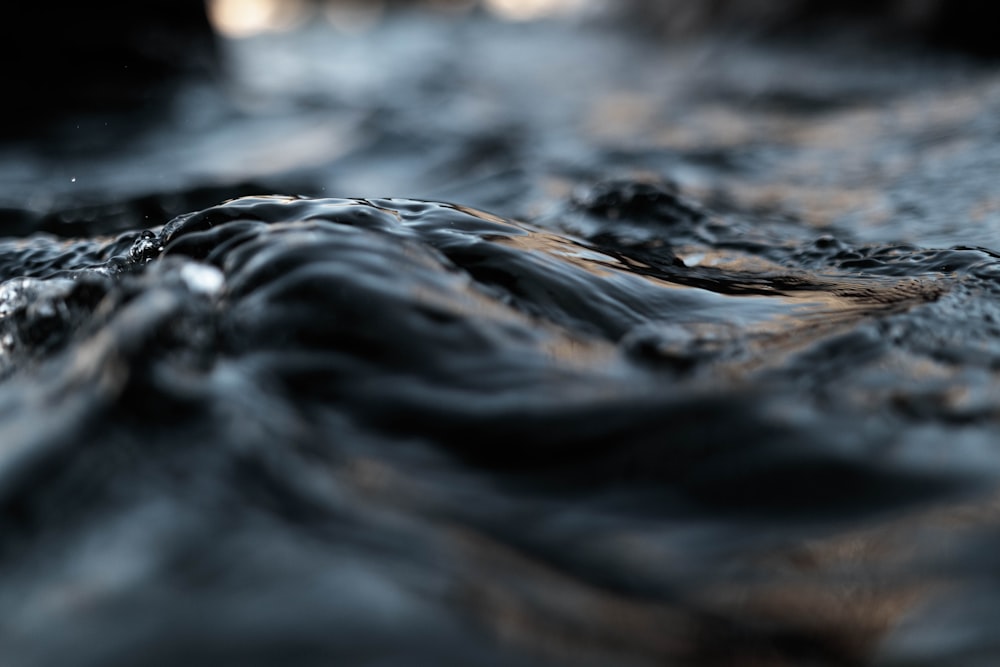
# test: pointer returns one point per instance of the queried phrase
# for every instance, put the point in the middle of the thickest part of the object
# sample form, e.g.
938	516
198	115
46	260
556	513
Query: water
712	383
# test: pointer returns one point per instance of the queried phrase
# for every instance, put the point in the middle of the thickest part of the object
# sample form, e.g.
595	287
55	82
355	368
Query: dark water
725	397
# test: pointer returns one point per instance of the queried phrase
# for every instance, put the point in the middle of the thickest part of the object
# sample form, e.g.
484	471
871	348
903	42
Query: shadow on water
713	384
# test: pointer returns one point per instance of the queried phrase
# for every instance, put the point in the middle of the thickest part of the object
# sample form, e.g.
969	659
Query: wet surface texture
714	382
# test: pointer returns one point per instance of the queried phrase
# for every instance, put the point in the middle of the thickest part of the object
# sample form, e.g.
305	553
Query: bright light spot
354	16
202	278
244	18
528	10
73	180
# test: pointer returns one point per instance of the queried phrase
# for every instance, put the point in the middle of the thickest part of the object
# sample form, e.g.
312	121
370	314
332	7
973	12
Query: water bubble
146	247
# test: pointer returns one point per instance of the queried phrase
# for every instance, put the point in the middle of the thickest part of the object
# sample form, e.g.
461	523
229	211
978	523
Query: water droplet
146	247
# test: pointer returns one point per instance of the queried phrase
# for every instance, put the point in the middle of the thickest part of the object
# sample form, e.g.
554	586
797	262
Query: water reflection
245	18
528	10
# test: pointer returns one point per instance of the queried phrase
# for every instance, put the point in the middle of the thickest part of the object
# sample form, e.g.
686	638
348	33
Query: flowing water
713	382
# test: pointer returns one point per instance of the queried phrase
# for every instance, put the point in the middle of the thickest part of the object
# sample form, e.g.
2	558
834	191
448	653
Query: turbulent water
725	401
364	428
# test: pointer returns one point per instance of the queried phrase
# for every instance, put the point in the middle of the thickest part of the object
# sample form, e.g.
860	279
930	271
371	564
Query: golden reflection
726	260
771	313
245	18
530	10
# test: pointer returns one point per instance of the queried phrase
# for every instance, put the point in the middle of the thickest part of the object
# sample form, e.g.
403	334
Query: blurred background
124	114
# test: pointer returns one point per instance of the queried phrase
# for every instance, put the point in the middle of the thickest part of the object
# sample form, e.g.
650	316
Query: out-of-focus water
712	382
